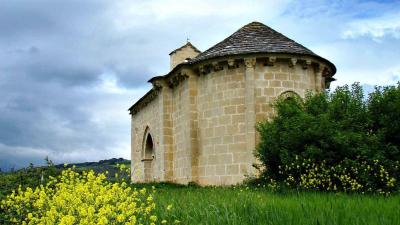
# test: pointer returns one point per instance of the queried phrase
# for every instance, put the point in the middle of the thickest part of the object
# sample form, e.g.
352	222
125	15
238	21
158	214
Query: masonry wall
180	55
272	81
147	117
222	139
204	128
224	99
181	148
166	133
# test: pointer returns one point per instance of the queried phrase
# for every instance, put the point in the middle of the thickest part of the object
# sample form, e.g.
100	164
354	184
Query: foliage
80	198
240	205
347	175
27	177
101	166
179	204
334	141
32	176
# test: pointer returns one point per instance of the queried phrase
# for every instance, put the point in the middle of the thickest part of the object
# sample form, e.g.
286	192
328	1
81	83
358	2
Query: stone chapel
197	123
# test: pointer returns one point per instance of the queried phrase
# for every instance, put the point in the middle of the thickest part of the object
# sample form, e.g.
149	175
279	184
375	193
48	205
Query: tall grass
193	205
241	205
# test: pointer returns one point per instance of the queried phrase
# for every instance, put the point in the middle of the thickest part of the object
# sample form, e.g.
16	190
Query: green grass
194	205
199	205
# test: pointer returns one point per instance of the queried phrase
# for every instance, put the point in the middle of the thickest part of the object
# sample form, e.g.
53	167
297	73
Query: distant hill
109	165
106	162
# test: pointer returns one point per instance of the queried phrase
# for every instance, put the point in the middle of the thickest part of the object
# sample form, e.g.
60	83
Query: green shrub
337	136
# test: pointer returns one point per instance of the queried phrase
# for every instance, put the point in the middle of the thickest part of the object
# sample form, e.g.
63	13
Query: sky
69	70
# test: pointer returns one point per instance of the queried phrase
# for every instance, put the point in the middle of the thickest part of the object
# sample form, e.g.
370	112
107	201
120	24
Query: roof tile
254	37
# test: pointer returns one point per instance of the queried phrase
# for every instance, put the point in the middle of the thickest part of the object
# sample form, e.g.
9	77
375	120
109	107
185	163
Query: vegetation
32	176
101	166
178	204
338	141
74	198
259	205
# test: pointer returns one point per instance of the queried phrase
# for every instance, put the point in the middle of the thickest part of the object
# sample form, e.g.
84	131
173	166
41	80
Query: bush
334	141
27	177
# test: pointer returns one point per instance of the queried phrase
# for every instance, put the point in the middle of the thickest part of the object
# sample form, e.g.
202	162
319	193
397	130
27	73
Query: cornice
145	100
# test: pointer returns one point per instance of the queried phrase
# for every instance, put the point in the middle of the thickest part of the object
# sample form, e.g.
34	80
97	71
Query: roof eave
330	64
140	99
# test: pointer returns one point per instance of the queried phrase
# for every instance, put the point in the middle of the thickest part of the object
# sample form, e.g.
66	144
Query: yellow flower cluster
74	198
354	176
124	169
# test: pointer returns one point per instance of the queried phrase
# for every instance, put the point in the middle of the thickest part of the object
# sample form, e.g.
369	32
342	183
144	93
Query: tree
332	128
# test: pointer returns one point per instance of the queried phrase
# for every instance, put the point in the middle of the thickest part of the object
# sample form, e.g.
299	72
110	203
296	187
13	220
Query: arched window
148	155
149	147
289	95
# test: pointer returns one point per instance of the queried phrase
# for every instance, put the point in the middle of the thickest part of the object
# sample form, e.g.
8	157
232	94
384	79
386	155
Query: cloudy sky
69	70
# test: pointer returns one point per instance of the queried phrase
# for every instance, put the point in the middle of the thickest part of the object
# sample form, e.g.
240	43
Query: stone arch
148	155
289	95
148	147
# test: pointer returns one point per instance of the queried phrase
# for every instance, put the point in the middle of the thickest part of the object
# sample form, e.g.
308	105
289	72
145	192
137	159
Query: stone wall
222	139
166	132
204	125
182	159
230	102
147	118
180	55
272	81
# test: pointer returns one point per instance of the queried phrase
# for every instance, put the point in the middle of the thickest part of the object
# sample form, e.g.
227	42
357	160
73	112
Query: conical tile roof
255	37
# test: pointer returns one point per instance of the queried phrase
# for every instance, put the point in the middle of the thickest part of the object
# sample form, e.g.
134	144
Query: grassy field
194	205
243	205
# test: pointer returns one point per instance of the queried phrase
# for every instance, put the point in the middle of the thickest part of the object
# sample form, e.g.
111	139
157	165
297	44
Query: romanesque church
197	123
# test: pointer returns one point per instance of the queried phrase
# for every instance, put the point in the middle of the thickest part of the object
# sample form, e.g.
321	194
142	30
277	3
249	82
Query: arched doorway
148	157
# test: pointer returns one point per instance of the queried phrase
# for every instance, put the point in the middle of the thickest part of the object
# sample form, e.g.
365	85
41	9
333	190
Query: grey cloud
43	120
20	19
130	77
30	50
69	75
54	55
17	157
